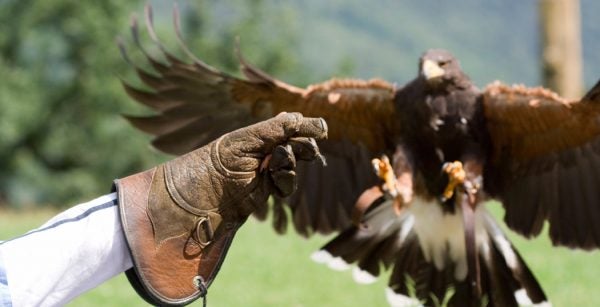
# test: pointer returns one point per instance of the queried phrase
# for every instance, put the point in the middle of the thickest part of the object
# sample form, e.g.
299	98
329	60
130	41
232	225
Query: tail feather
513	264
385	241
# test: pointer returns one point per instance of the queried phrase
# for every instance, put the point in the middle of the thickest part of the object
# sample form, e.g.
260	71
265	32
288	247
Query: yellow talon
456	175
384	170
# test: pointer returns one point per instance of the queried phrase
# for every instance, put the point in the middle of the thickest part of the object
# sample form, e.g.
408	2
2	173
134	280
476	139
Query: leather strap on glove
179	218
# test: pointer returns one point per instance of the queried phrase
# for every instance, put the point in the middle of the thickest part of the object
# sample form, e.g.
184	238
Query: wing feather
195	103
544	162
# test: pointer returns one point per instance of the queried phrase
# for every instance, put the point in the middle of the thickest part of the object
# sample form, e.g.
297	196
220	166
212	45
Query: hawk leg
385	172
399	188
466	199
456	176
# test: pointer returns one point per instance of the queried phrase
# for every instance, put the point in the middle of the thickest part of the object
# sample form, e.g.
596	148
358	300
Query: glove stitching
172	189
216	158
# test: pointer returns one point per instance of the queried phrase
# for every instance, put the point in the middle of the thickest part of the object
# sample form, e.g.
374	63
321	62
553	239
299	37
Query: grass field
263	269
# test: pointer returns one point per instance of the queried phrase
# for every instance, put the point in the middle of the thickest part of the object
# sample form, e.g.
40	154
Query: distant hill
493	39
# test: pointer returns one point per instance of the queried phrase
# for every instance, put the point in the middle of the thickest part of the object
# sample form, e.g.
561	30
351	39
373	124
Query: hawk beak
432	70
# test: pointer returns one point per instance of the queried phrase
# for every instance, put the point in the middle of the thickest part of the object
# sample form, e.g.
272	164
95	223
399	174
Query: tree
61	100
561	41
61	135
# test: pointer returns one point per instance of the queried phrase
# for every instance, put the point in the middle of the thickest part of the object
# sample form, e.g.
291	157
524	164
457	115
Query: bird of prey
448	146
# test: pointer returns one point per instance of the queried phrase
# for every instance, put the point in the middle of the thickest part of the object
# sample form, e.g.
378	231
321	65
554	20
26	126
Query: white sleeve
72	253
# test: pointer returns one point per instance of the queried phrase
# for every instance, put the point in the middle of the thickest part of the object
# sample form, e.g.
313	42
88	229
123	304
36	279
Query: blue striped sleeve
5	300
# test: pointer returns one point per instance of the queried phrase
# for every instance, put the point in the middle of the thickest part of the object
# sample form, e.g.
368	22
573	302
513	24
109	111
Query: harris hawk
420	213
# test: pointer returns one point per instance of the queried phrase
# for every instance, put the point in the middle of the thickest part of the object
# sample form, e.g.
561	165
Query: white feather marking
442	236
407	226
321	256
524	300
507	251
505	248
399	300
461	270
334	263
363	277
485	250
338	264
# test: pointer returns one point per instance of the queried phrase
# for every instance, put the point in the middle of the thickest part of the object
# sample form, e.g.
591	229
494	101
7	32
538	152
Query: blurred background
62	140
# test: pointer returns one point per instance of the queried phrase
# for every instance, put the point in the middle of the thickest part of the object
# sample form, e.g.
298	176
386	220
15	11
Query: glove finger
306	149
284	181
282	158
296	125
257	200
264	136
312	127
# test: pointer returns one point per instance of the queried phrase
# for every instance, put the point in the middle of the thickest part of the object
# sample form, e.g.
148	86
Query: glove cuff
176	254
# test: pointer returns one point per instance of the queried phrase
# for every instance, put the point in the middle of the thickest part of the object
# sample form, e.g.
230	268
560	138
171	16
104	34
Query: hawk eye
443	63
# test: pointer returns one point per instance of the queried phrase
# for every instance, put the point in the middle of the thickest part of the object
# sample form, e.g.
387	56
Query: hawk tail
384	241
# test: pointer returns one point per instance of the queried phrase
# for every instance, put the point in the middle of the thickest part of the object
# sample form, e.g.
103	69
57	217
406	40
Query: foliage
61	136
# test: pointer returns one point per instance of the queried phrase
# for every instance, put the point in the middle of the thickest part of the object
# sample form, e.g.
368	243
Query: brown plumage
529	148
545	162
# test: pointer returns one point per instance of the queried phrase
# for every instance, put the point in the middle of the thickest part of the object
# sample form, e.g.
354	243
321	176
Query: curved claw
385	172
457	176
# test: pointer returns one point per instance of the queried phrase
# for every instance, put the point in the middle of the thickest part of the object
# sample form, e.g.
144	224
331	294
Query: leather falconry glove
180	217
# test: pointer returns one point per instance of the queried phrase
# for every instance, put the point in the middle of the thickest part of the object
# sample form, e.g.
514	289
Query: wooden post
561	46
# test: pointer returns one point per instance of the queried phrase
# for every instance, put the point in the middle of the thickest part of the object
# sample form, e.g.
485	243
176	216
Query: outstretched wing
545	162
196	103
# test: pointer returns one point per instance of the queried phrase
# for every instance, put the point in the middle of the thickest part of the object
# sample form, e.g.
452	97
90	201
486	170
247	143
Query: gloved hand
241	169
179	218
232	176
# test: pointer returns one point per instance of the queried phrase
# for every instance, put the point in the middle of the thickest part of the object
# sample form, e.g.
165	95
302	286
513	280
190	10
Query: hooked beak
432	70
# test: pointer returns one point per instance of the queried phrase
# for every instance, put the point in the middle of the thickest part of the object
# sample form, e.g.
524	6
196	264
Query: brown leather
467	202
364	201
168	265
180	217
163	213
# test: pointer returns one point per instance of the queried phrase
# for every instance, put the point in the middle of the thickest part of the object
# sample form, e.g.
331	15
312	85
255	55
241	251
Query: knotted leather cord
364	202
201	285
468	203
199	281
203	295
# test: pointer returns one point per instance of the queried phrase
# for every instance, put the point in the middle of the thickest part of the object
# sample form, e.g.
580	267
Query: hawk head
439	68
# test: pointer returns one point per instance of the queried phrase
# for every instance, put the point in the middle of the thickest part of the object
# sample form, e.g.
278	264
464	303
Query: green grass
263	269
